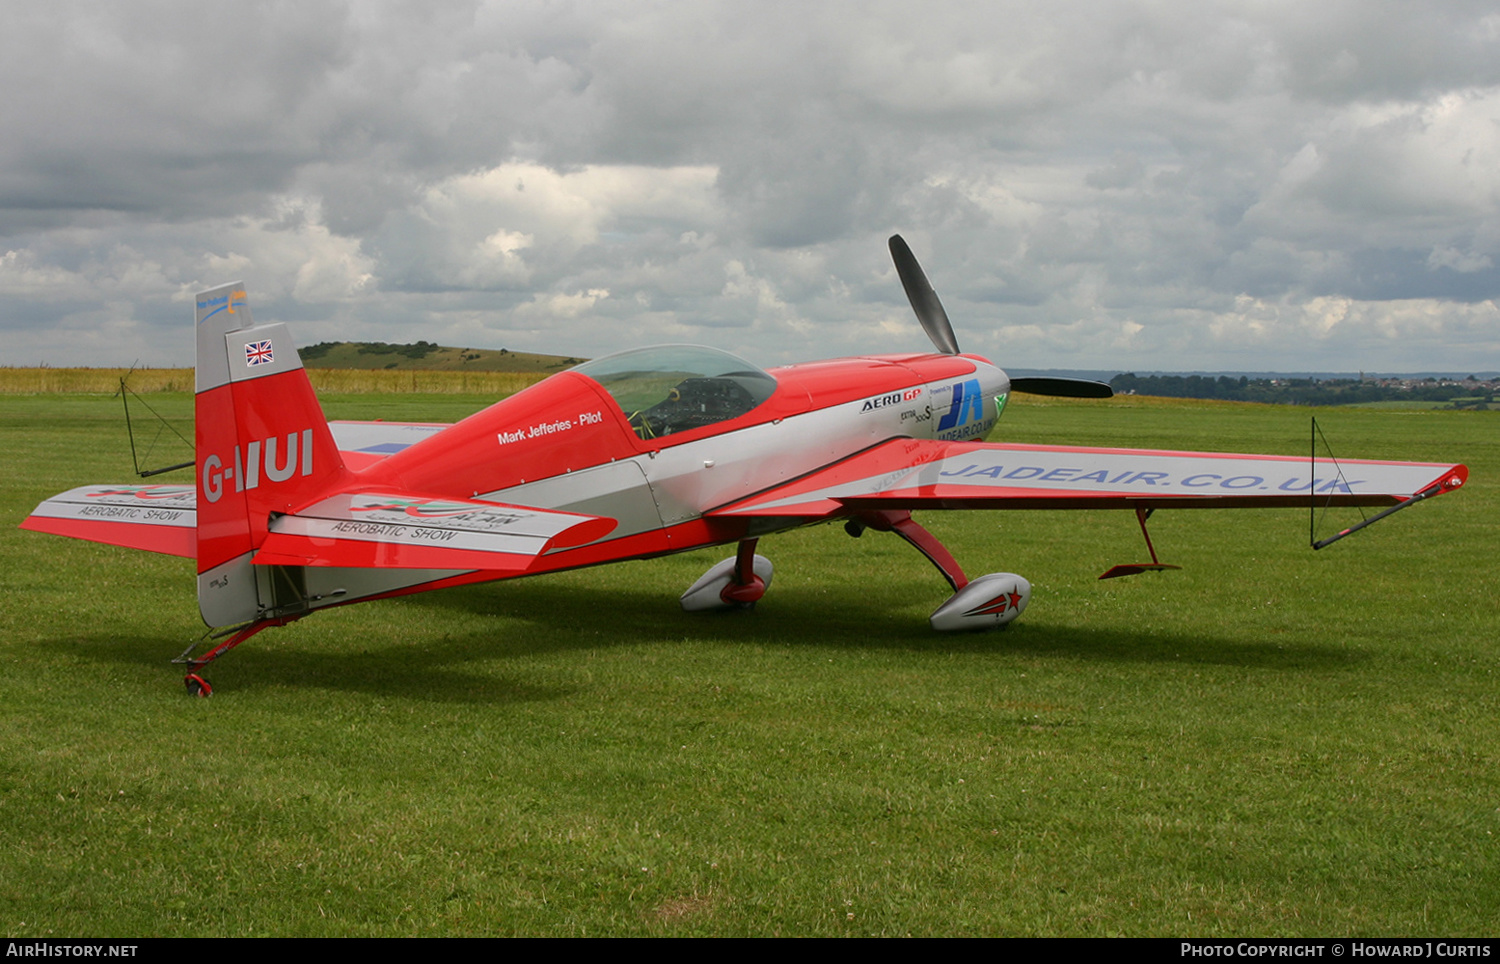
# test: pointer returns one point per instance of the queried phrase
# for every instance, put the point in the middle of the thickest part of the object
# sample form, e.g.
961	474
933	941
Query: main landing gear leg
902	524
989	602
196	684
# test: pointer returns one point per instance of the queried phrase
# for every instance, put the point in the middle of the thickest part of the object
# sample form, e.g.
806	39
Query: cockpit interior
669	389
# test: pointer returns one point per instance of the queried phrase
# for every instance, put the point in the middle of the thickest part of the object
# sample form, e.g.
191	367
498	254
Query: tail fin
263	447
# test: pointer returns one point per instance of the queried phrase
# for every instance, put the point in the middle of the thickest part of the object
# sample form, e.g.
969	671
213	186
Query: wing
924	474
157	518
362	444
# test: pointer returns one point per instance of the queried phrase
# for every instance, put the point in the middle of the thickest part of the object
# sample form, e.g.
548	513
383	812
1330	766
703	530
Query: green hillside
426	356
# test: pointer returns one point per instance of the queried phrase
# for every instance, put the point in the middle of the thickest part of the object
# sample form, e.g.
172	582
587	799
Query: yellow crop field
47	381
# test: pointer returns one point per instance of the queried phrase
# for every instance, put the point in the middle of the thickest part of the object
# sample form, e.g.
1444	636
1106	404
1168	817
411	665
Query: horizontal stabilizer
375	530
157	518
924	474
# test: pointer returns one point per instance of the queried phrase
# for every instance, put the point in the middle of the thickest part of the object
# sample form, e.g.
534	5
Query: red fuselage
566	444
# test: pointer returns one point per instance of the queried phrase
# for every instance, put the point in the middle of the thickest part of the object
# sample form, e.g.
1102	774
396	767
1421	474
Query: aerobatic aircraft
639	454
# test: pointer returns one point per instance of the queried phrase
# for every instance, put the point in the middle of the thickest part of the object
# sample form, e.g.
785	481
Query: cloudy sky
1171	185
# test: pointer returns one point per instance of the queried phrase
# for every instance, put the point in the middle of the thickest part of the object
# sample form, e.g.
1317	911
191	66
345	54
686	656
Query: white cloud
553	307
1464	262
23	275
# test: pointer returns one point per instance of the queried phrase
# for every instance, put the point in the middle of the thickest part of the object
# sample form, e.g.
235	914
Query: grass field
1271	741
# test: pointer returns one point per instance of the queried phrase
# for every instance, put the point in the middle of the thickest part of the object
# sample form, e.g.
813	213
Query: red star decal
997	606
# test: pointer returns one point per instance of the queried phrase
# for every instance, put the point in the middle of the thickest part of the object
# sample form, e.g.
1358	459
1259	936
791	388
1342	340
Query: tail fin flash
263	448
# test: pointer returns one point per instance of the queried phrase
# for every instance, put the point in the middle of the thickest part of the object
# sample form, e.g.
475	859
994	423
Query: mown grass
1271	741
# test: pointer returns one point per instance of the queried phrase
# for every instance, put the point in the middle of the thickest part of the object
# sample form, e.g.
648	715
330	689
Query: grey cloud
1110	182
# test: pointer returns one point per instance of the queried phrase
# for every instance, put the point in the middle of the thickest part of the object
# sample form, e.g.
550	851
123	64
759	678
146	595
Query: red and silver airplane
638	454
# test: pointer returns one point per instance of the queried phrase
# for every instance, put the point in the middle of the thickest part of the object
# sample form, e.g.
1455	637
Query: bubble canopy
669	389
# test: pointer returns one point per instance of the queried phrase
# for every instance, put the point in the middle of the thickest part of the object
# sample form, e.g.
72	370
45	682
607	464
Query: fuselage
570	443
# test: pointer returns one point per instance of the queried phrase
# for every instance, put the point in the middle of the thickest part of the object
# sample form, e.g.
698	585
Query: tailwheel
197	685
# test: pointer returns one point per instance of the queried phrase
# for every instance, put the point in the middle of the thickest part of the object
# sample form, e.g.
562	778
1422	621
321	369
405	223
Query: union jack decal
258	353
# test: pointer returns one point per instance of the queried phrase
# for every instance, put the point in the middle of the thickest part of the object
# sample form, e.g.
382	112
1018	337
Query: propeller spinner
924	301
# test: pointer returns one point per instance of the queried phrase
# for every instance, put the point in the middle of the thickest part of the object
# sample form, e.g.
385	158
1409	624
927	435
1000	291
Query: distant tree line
417	350
1294	391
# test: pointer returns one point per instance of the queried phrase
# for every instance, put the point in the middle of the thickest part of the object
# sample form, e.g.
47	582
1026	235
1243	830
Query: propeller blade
924	301
1061	387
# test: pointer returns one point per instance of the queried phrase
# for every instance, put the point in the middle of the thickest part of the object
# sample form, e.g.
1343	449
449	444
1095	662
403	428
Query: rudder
263	447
